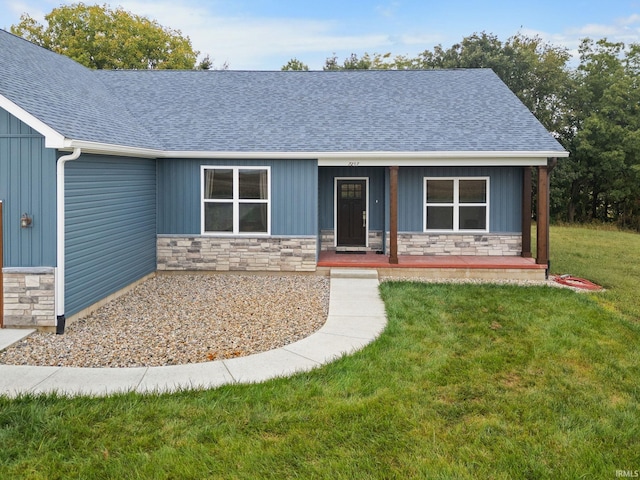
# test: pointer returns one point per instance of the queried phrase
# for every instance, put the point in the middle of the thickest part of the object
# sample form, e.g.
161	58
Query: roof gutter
327	158
355	155
60	238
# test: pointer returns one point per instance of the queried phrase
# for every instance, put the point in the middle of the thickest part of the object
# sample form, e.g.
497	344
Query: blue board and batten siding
505	195
376	176
110	226
294	195
27	185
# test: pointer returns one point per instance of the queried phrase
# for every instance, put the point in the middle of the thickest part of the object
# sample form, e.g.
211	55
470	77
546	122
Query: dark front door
351	211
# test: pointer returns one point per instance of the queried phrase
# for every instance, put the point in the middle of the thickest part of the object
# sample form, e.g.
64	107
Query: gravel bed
180	319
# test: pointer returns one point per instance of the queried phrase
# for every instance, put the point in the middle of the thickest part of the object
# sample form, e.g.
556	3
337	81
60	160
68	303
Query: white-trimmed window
456	204
236	200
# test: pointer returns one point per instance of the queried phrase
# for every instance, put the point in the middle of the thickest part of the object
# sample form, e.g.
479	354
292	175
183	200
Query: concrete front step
354	273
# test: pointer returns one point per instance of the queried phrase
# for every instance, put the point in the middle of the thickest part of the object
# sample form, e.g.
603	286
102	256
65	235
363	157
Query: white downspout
60	244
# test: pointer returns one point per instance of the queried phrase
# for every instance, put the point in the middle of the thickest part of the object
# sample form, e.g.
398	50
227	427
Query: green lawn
608	257
467	381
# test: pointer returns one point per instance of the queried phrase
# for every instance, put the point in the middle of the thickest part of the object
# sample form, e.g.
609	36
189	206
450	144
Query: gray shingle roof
63	94
235	111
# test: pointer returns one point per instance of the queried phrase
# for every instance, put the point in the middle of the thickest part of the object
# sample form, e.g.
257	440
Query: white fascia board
447	159
432	162
326	159
111	149
387	158
52	139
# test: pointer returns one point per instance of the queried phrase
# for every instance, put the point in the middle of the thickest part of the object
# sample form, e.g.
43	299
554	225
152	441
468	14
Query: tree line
592	109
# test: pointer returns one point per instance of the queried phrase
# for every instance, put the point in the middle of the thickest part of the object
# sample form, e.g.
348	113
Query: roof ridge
300	72
125	105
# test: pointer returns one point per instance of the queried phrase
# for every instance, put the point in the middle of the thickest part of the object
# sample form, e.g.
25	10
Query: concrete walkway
356	318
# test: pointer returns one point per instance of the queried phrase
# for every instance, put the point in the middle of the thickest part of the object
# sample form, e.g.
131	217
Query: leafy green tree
376	61
207	64
601	179
295	65
331	63
101	38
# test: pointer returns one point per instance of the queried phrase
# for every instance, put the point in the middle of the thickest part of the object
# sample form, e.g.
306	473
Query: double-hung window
236	200
456	204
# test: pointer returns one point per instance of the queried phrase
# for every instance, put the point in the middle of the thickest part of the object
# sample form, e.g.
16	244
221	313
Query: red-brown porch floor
373	260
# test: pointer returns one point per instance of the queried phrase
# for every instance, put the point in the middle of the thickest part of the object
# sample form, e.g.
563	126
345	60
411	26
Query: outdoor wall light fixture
25	220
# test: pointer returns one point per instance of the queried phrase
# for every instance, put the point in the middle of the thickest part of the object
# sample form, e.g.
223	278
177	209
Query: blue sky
265	34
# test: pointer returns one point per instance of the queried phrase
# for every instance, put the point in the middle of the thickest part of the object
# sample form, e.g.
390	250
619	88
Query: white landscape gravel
180	319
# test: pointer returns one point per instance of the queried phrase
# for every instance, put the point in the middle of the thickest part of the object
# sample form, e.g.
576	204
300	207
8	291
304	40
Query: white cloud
252	43
21	7
421	39
388	10
594	30
266	43
630	20
625	30
246	43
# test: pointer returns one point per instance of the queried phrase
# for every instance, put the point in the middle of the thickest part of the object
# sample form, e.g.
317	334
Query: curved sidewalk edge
356	318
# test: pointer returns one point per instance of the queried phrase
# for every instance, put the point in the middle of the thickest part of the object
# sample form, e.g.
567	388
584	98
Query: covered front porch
385	206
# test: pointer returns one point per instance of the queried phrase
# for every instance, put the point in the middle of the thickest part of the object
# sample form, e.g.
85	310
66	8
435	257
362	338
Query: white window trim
456	205
235	200
335	209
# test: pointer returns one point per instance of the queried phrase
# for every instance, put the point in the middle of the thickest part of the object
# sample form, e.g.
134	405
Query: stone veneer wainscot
328	242
441	244
281	254
459	244
29	297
